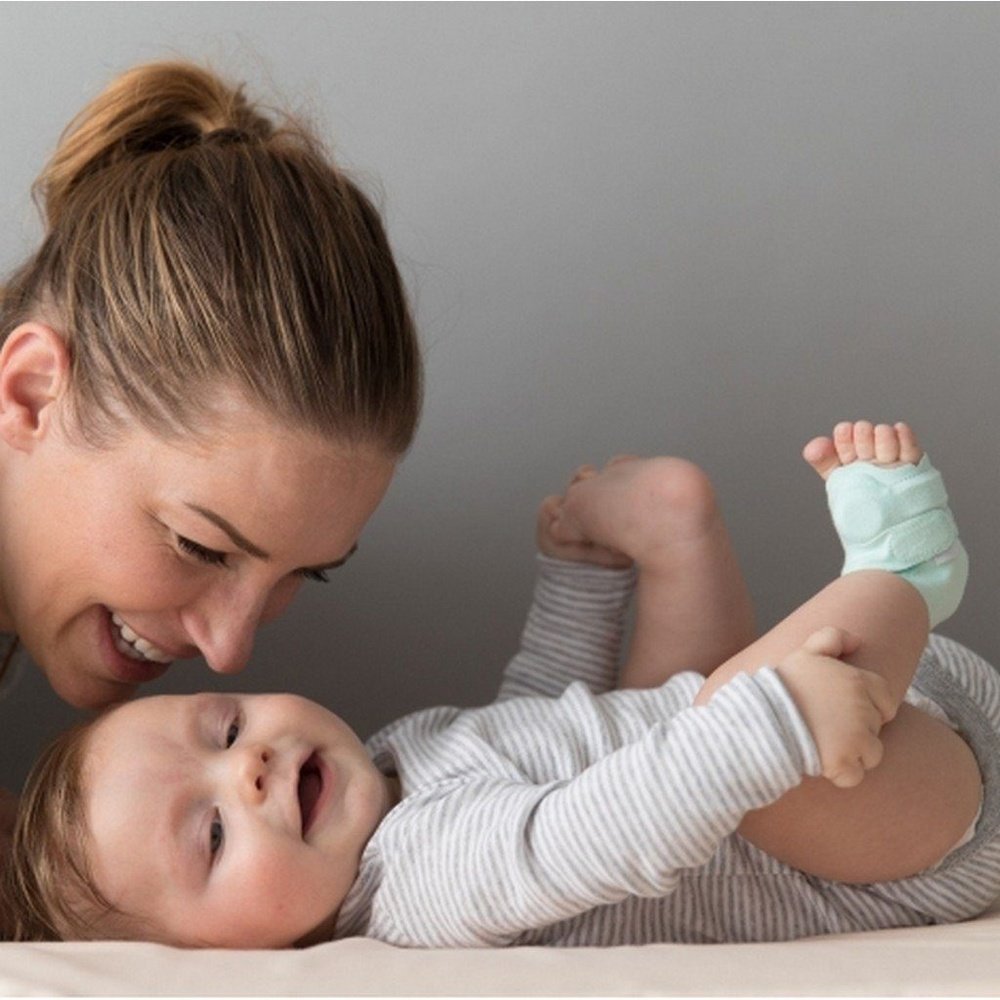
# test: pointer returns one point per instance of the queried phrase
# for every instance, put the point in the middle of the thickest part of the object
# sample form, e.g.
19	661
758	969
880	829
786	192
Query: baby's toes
583	472
864	440
843	441
619	460
886	445
909	448
821	454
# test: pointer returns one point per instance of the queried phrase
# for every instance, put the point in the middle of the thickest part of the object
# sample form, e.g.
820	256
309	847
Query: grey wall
693	229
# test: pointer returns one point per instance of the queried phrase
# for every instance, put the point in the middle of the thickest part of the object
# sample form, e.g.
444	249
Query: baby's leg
693	608
919	801
922	797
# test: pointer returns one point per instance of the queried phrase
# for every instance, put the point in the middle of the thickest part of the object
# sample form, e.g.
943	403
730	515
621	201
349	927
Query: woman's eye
313	574
216	835
210	556
232	733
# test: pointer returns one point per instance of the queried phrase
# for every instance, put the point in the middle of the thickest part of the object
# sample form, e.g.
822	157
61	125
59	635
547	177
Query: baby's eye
206	555
216	835
232	733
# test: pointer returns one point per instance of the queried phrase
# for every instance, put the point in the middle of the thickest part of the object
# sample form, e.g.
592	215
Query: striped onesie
567	813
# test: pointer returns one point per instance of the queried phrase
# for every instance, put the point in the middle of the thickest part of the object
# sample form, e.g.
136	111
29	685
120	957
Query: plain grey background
707	230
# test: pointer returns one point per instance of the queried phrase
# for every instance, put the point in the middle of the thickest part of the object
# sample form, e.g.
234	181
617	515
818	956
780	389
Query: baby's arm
514	855
573	630
576	623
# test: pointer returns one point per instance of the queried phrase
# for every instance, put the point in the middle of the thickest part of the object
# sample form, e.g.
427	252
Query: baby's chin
318	935
268	942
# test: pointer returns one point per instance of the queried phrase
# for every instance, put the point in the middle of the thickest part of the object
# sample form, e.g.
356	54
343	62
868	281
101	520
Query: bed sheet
954	960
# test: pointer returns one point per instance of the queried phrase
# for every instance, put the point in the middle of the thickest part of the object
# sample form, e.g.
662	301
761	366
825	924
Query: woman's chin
87	692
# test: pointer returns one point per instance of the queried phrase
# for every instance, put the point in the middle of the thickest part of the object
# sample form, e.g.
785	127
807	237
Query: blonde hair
195	243
48	891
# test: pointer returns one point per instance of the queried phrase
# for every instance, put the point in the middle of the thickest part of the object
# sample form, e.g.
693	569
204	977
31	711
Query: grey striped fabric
566	813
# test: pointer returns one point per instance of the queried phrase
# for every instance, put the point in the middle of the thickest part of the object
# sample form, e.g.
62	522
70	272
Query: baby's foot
884	444
560	537
633	508
890	509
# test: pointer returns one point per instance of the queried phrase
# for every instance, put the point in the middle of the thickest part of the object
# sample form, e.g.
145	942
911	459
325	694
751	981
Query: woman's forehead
265	481
258	455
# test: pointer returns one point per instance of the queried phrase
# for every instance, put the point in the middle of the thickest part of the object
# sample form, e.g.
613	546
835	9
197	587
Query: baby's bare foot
558	538
883	444
637	507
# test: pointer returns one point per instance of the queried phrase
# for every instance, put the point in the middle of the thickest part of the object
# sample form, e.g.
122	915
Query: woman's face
116	562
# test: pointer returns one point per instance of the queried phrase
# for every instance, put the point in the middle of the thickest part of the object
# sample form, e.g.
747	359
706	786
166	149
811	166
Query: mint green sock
897	519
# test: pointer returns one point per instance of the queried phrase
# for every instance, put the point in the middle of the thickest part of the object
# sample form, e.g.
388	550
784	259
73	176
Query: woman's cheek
281	597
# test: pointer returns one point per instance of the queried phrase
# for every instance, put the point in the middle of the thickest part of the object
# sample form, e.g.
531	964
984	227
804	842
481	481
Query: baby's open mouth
310	789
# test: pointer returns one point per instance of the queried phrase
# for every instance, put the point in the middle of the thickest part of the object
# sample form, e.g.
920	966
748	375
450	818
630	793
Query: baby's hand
844	707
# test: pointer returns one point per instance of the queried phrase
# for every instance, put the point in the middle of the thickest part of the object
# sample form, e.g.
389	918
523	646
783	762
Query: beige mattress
956	960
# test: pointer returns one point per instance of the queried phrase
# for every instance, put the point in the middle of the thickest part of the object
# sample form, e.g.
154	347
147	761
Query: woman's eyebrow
241	541
238	539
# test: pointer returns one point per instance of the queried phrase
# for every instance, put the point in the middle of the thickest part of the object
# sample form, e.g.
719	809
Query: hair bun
148	109
226	136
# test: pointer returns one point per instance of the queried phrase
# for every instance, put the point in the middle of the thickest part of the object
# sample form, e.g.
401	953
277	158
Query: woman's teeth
130	643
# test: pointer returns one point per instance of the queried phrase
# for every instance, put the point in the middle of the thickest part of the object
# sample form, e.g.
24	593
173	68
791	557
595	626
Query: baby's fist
844	707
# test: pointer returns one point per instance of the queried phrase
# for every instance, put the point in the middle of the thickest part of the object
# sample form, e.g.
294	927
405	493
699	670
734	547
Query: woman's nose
222	625
222	621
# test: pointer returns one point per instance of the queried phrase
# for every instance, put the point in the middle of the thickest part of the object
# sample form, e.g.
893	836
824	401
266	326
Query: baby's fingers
831	641
850	772
881	696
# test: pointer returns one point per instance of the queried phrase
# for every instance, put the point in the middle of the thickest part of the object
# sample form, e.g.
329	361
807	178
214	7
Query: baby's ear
34	374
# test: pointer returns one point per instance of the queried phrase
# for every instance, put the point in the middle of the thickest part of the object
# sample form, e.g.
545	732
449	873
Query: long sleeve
573	631
488	857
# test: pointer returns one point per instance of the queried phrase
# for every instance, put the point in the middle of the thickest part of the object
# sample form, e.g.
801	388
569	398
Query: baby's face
229	820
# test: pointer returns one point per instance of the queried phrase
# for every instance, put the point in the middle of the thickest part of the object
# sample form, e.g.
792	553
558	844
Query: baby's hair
195	244
48	892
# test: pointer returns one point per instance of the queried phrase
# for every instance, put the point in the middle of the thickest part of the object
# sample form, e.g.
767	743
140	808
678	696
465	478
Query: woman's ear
34	374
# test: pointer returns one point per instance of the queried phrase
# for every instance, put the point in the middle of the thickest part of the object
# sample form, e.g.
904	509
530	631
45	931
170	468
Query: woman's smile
133	644
128	667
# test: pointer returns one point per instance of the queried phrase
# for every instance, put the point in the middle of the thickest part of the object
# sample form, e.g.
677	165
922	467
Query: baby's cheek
278	899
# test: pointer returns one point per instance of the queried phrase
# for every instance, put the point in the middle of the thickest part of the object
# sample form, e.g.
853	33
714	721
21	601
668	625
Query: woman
208	374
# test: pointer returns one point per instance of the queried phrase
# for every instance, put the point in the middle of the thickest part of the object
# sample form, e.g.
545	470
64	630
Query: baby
789	793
